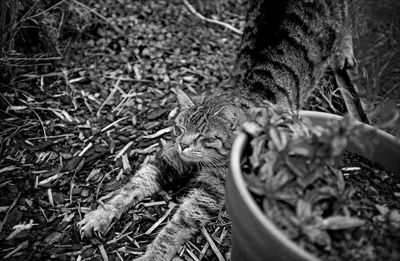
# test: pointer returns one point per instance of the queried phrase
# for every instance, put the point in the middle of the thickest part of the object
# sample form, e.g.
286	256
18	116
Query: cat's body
287	46
203	137
283	69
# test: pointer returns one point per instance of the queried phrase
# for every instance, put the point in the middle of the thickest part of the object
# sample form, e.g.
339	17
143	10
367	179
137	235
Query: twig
50	179
50	196
15	250
212	244
9	210
29	59
192	255
85	149
155	225
147	150
112	124
202	17
113	91
52	137
158	133
24	18
123	150
105	19
103	252
349	93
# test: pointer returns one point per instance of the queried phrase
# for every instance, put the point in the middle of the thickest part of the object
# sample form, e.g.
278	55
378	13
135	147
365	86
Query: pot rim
238	180
330	116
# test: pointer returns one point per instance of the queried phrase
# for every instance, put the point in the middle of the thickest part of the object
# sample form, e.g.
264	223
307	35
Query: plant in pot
295	194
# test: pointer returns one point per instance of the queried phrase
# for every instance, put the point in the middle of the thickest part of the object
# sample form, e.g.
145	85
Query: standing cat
285	49
288	45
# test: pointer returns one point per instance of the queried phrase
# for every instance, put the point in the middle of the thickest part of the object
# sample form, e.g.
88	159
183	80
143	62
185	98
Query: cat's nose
184	146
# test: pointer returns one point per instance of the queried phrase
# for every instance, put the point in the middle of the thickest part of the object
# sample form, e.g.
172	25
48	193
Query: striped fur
200	155
286	48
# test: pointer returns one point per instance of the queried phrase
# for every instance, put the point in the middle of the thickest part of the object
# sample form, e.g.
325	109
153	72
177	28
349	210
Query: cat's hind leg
196	210
143	184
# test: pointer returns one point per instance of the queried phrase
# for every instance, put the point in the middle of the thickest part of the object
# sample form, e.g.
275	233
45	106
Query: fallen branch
202	17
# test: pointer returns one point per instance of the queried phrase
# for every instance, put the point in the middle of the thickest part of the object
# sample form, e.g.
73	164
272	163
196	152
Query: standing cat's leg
345	58
143	184
196	210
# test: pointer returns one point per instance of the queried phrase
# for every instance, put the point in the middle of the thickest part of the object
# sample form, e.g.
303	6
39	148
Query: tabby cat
285	49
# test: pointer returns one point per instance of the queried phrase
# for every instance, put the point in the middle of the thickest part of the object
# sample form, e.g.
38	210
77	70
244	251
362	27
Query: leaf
280	179
297	166
318	236
341	222
258	146
279	138
252	128
303	209
254	185
325	192
266	171
302	149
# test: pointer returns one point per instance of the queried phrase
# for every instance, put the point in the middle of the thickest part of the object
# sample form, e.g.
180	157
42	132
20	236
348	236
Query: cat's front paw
95	221
346	60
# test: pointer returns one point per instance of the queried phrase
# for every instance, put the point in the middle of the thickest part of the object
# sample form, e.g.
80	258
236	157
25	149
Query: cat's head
205	130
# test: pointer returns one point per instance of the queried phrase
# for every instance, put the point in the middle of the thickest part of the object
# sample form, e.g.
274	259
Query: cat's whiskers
210	162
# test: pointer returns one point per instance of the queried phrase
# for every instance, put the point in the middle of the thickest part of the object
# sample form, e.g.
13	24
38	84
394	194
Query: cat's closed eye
207	140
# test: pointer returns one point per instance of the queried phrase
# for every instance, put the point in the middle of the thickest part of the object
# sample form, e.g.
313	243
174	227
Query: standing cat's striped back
287	46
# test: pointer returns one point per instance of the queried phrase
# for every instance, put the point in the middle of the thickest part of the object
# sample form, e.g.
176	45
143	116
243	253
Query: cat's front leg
143	184
196	210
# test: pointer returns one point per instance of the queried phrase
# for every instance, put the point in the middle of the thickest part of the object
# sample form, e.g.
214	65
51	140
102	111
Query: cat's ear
233	114
184	100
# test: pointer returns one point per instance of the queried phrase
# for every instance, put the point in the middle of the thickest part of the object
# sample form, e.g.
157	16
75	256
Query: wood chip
112	124
85	149
155	225
50	179
192	255
9	210
103	252
158	133
50	195
123	150
15	250
212	244
152	148
125	163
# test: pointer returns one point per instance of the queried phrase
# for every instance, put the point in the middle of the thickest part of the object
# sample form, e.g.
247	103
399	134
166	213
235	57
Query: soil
376	200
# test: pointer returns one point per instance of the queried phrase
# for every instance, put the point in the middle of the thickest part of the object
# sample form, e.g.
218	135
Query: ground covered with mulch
85	96
80	125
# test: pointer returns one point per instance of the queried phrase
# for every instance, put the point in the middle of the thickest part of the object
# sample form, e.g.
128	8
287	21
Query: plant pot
254	237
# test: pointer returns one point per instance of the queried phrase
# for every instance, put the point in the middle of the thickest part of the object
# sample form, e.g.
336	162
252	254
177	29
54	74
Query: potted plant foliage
299	185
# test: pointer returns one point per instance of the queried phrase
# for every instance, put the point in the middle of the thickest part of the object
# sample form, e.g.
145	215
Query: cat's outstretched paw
96	221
